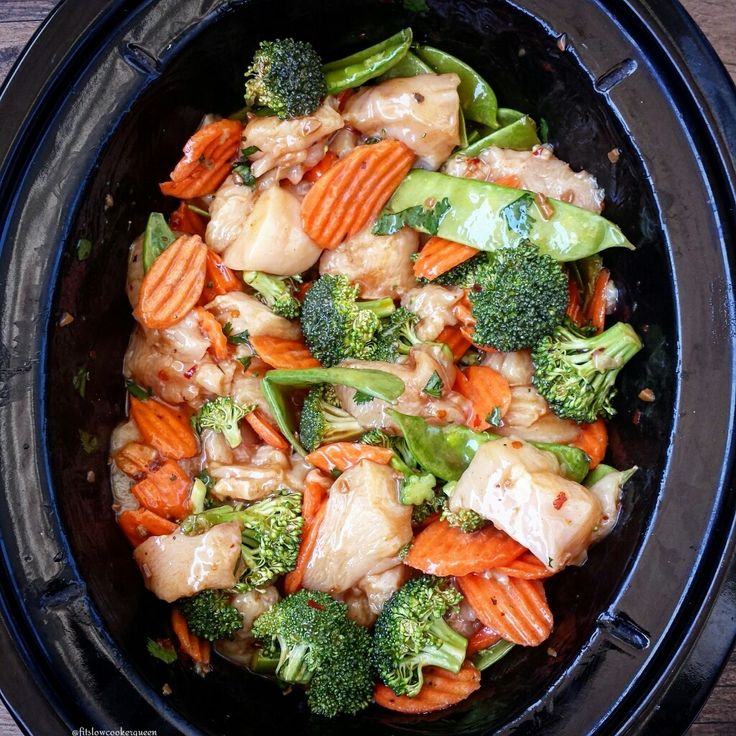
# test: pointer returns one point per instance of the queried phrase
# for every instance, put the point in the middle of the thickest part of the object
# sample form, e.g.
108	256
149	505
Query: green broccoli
222	415
323	420
576	371
521	296
396	336
286	77
466	520
336	325
411	633
210	615
466	275
272	532
424	510
317	645
276	292
416	489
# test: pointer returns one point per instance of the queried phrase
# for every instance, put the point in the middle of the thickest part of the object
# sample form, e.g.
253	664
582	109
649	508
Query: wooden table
20	18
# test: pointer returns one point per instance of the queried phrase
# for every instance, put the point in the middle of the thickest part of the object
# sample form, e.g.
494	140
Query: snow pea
520	135
358	68
476	217
507	115
156	239
409	66
574	463
486	657
477	99
601	471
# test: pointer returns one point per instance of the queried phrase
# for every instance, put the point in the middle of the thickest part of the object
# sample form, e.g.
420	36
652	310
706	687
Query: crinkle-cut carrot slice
482	639
280	352
343	455
596	312
593	440
139	524
516	608
441	549
526	566
212	330
260	424
165	428
185	220
165	491
438	256
310	532
136	459
173	284
455	340
219	279
487	390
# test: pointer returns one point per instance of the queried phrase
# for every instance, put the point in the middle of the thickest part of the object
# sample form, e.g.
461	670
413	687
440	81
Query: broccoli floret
272	532
576	371
520	298
466	275
210	615
336	325
416	489
222	415
396	337
411	633
465	519
323	420
276	292
319	646
286	77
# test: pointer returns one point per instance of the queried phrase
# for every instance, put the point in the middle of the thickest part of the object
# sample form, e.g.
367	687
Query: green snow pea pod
574	463
409	66
507	115
520	135
601	471
478	217
358	68
156	239
486	657
477	99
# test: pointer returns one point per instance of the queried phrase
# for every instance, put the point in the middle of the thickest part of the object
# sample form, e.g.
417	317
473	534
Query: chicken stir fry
369	381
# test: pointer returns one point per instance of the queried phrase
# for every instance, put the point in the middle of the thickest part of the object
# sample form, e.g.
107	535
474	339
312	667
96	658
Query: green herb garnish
434	386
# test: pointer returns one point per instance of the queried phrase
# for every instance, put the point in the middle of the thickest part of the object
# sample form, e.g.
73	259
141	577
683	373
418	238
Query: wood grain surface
20	18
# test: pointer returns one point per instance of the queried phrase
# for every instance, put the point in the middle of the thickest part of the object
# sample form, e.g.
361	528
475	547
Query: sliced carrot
482	639
310	532
593	440
301	292
487	390
135	459
316	172
173	284
212	330
527	566
455	340
463	311
165	428
353	191
265	430
574	302
219	279
139	524
440	690
516	608
184	220
510	180
439	255
194	647
596	312
279	352
165	491
441	549
343	455
208	158
315	492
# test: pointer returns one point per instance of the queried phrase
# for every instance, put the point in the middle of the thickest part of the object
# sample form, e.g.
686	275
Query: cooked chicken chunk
175	565
135	270
519	489
246	314
421	111
434	306
517	368
380	264
537	170
379	587
608	491
229	210
363	529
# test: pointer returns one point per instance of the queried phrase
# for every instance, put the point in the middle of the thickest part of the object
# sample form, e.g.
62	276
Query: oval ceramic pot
96	114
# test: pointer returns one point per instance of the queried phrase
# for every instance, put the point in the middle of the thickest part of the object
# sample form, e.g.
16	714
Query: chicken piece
423	361
433	305
272	238
608	490
379	587
380	264
538	170
229	211
176	566
264	473
120	483
548	428
517	368
246	391
216	448
362	531
246	314
135	271
519	489
423	112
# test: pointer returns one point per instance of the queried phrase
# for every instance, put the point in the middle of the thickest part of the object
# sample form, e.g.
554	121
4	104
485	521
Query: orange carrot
353	191
184	220
212	330
219	279
196	648
487	390
455	340
173	284
482	639
527	566
441	549
596	312
516	608
593	440
440	690
315	492
310	531
511	180
141	523
439	255
165	491
343	455
301	292
463	311
574	302
135	459
208	158
165	428
265	430
316	172
279	352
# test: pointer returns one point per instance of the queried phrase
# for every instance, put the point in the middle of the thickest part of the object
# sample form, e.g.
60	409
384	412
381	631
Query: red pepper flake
163	375
315	605
190	372
636	418
517	445
560	500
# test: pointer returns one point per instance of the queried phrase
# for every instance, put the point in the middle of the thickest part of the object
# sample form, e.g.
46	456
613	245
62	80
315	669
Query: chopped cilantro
360	398
139	392
84	248
242	166
79	381
237	338
165	652
494	418
89	442
434	386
